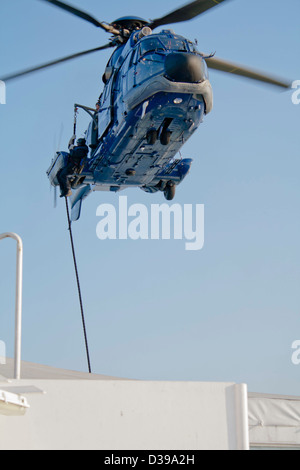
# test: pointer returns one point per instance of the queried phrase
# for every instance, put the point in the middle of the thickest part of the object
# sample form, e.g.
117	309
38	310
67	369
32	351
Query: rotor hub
129	22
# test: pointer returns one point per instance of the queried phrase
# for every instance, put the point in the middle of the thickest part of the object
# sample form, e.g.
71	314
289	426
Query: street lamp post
18	303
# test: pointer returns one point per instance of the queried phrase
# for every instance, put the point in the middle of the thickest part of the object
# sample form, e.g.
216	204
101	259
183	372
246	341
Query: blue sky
154	311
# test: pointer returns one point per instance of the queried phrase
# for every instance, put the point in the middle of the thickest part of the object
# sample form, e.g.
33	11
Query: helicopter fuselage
156	95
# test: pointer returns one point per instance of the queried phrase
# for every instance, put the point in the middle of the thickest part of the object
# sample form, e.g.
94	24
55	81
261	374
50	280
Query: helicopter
156	94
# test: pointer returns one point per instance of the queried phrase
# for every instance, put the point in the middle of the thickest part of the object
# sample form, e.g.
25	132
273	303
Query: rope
79	289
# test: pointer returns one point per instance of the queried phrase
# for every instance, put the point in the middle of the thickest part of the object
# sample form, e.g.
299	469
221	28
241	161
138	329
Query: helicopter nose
185	67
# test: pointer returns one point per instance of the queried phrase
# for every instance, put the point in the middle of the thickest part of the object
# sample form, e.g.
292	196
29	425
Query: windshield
174	43
151	45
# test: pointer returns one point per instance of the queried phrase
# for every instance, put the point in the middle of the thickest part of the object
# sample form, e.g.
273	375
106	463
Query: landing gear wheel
170	191
152	136
165	137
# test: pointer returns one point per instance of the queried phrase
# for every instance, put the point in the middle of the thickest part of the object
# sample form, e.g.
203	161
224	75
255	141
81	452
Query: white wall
120	415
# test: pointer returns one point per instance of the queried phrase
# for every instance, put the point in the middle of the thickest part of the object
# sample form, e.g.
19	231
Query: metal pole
18	305
242	417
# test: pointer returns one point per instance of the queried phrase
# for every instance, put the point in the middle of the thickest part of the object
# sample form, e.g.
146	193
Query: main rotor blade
185	13
82	14
228	67
55	62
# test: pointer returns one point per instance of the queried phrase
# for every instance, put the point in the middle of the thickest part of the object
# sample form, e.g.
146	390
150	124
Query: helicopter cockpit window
114	58
109	70
174	43
151	45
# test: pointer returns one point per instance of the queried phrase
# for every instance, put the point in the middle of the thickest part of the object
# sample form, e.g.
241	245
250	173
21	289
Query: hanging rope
79	288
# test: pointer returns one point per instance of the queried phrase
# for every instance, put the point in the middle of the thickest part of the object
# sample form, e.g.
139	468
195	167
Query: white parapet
124	415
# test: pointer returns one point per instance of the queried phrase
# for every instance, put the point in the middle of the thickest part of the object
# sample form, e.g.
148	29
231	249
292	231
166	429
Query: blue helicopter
156	94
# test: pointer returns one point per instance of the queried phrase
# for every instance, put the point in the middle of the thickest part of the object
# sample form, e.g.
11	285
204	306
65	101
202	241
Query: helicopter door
105	113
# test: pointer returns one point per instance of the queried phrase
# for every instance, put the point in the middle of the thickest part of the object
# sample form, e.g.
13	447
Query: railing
18	304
